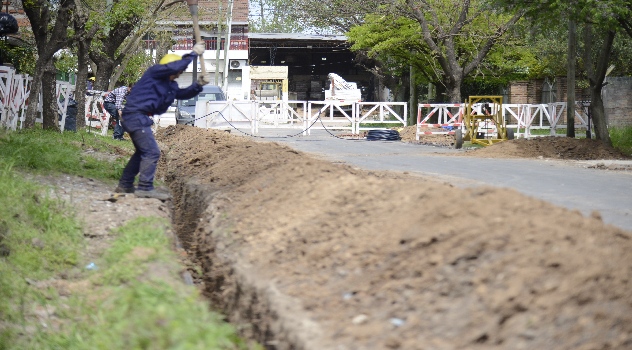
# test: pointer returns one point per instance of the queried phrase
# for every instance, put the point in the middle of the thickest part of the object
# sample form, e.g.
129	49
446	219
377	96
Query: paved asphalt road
569	184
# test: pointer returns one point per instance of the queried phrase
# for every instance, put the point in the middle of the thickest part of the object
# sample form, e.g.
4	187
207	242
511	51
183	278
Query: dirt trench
304	254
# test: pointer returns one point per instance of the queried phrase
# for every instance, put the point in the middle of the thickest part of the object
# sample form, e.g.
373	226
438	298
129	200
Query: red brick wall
617	96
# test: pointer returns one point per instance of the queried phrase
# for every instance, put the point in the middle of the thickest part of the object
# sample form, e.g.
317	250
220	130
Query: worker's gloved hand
204	79
198	48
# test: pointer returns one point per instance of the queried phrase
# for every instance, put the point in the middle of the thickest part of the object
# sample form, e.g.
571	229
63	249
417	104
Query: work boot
152	194
120	189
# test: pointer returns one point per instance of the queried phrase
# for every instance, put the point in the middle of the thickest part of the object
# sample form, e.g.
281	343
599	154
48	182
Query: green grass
622	139
38	239
129	307
134	300
71	153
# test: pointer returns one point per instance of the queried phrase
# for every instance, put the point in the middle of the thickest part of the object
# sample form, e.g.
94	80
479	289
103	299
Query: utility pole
194	72
229	21
218	42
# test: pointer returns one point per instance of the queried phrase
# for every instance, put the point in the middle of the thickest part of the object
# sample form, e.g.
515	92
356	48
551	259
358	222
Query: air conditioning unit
237	64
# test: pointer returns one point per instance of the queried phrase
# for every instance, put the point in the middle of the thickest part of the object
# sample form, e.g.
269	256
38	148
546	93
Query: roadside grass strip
37	241
133	298
44	151
51	297
622	139
136	300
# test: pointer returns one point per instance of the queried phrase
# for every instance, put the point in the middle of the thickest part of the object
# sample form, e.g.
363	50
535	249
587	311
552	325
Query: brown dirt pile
382	261
553	147
550	147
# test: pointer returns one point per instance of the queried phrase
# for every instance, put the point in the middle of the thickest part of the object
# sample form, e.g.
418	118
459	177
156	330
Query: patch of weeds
72	153
136	301
141	240
38	238
622	139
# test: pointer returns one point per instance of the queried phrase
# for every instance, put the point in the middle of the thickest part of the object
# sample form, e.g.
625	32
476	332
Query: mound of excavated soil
555	147
409	134
306	254
550	147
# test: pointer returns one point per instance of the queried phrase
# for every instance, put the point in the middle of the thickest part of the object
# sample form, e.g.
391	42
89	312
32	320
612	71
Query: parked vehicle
185	109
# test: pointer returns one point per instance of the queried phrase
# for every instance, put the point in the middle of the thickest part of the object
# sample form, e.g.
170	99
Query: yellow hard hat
170	57
92	78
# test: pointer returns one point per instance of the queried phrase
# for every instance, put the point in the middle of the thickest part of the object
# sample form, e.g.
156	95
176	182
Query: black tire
458	135
510	134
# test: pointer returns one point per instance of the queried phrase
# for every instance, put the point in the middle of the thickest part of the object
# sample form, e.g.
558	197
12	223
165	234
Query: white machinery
341	90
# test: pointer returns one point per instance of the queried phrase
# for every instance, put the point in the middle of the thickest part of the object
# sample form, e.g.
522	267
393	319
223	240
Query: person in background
113	104
90	83
152	95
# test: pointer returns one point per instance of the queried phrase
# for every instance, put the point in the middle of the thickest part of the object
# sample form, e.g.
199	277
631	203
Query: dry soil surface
306	254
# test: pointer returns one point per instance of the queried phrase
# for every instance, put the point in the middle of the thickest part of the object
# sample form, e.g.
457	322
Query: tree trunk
599	116
453	91
596	68
570	77
34	97
50	111
106	67
50	34
414	100
80	88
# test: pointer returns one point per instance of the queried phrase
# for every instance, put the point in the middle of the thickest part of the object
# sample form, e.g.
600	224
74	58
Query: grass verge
134	298
74	153
622	139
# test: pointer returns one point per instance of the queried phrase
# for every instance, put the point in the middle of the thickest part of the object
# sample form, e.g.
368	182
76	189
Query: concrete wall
617	96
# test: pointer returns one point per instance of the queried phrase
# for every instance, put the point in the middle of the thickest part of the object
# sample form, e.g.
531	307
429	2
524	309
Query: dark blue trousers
143	162
118	129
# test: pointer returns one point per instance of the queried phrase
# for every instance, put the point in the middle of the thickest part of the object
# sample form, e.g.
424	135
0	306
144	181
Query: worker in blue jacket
152	95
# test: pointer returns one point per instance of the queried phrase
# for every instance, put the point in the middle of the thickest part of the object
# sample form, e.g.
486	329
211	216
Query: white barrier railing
304	115
380	113
292	114
522	117
226	114
332	116
64	92
96	115
14	92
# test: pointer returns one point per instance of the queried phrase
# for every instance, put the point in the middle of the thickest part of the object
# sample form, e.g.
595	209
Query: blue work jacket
154	93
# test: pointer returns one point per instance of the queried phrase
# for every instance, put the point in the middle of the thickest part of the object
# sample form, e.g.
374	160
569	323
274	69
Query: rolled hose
383	135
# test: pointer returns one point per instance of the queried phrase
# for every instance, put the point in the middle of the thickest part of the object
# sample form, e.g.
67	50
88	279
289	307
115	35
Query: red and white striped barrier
14	92
439	116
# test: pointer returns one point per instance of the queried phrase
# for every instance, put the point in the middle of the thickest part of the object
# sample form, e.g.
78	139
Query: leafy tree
49	22
122	25
83	34
601	19
332	15
272	16
21	57
447	40
460	34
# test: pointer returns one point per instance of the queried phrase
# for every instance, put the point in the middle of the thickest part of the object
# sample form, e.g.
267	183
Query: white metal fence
302	115
446	118
15	90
